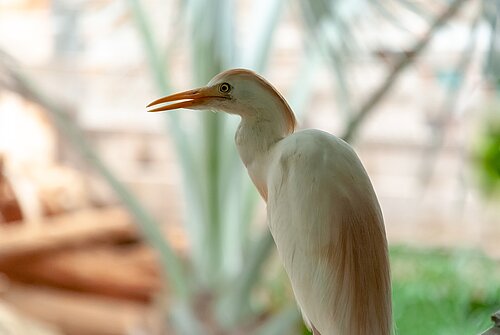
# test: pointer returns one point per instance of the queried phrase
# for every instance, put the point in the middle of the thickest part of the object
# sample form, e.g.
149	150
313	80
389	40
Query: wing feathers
358	258
329	231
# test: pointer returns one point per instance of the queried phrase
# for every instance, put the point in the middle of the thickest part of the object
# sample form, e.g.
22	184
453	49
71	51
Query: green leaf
234	305
282	323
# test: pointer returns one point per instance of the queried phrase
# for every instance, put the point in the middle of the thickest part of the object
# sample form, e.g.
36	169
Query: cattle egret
322	210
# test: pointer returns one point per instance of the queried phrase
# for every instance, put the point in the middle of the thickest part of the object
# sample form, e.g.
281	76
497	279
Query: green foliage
443	292
488	157
440	292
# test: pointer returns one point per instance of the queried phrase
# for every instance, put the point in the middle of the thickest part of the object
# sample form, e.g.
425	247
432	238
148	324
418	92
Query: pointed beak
188	99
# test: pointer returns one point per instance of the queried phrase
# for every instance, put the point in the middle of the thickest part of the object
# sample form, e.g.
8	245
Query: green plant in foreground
443	292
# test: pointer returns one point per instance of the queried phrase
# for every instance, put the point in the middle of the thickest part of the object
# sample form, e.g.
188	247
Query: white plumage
322	210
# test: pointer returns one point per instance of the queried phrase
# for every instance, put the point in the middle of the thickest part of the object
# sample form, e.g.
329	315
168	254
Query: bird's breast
260	185
257	170
256	153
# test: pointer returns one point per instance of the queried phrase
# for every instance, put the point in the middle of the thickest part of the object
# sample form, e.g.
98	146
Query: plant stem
280	323
232	308
155	59
450	103
405	60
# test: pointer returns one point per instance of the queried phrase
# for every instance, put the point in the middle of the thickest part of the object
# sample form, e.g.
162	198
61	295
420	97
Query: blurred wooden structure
10	210
76	313
68	258
77	268
14	324
85	272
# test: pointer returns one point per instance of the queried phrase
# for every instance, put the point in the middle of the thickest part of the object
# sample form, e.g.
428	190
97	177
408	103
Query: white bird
322	210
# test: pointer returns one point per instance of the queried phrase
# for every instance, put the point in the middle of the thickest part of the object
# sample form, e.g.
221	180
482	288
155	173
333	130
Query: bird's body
322	210
332	246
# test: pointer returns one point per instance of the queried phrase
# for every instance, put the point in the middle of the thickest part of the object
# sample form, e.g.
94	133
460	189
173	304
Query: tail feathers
315	331
362	301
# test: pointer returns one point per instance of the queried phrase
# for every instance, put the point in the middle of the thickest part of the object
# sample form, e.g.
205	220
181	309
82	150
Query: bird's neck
255	139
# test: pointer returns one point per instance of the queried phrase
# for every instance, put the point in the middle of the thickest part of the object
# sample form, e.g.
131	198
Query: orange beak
187	99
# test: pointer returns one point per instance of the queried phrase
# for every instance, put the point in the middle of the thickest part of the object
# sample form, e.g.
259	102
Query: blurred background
116	221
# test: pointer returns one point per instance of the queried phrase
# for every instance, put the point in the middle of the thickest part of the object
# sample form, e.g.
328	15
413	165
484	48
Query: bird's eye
224	88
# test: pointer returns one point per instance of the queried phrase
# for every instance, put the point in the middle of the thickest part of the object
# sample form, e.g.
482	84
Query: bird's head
237	91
